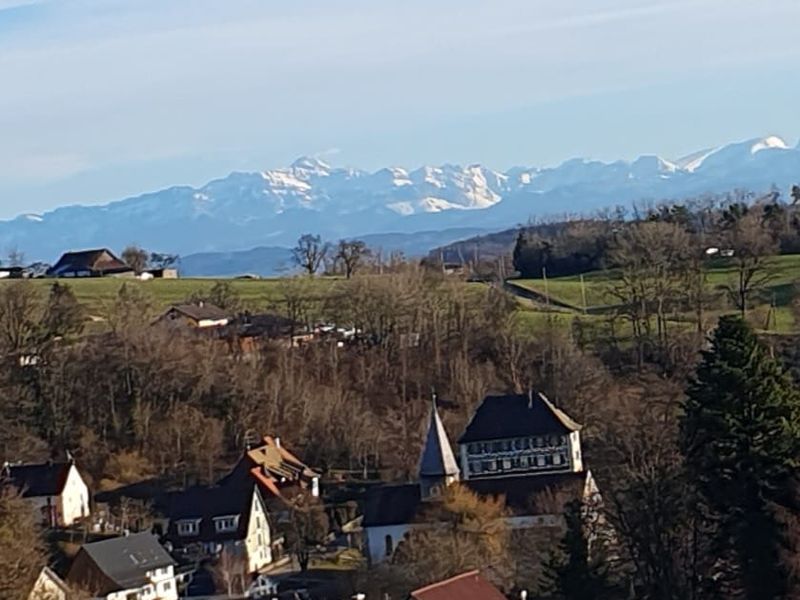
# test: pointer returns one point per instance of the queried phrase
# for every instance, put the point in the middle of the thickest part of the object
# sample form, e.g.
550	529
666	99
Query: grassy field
97	294
784	272
781	290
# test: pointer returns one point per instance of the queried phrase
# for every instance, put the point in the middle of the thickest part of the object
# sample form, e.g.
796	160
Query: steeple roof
437	456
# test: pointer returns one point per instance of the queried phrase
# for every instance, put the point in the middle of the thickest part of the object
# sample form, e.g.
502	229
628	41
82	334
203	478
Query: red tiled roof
467	586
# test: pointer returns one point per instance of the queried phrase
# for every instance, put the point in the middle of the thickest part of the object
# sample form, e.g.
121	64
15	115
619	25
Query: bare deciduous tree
351	253
752	246
309	253
22	548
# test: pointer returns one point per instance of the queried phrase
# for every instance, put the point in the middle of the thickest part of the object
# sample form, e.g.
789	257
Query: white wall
376	540
163	586
575	451
259	537
74	501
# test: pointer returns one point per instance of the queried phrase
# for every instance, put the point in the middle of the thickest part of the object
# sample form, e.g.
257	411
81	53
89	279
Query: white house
133	567
212	520
56	490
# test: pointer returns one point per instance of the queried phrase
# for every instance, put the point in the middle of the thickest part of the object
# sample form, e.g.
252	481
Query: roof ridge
437	584
563	417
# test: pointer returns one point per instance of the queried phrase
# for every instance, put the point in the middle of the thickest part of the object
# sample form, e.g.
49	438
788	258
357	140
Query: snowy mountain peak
768	143
652	164
312	164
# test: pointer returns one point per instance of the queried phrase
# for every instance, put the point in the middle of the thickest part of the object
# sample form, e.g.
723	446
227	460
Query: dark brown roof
46	479
392	505
467	586
515	416
99	261
204	504
199	312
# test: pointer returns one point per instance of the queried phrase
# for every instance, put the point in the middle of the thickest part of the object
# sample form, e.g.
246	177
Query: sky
104	99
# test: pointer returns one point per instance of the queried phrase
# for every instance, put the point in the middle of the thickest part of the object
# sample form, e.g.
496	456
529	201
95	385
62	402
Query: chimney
277	441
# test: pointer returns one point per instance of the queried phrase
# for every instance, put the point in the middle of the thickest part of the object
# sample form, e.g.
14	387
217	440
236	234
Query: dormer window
188	527
226	524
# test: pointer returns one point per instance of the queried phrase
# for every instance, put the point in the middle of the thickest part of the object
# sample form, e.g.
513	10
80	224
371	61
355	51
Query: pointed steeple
438	461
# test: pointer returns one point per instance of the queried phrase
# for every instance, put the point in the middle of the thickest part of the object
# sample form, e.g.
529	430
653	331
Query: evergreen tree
63	314
740	435
571	573
518	257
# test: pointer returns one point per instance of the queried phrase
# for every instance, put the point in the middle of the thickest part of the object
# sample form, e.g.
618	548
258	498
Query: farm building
90	263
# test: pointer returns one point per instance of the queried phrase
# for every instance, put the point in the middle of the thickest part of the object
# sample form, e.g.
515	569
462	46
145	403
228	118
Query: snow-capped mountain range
274	207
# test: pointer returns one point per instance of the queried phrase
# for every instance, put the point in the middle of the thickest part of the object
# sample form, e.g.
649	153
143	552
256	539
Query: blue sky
101	99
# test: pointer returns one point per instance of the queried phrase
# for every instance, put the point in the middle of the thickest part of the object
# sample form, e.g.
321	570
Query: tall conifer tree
740	435
572	573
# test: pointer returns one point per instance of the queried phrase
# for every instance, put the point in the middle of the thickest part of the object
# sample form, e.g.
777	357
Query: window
389	545
557	459
540	461
189	527
506	464
167	586
223	524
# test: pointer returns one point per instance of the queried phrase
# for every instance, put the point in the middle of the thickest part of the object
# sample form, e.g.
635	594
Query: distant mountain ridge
272	208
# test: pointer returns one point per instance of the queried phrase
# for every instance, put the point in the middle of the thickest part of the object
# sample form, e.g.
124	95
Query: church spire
438	467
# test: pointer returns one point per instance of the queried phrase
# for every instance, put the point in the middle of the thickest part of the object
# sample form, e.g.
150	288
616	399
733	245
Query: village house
279	473
132	567
247	331
195	316
519	447
56	490
467	586
209	521
90	263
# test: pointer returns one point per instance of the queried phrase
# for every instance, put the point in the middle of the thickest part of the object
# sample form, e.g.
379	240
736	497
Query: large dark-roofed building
519	447
519	434
100	262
